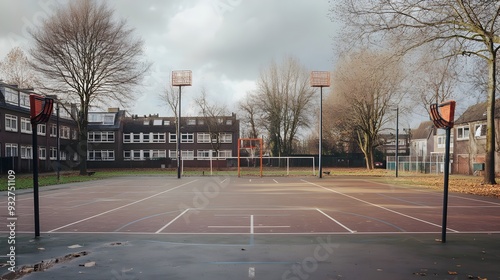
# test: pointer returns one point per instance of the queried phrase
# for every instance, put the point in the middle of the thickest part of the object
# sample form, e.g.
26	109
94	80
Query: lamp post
180	78
320	79
396	153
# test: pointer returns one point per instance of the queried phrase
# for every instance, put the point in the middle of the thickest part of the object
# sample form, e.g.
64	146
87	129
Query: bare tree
170	97
85	55
365	89
15	69
212	115
465	27
249	115
285	100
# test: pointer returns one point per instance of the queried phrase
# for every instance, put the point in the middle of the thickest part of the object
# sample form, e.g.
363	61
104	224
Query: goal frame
240	140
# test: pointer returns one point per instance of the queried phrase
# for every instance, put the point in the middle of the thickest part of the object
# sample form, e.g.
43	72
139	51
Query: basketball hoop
443	114
251	146
40	108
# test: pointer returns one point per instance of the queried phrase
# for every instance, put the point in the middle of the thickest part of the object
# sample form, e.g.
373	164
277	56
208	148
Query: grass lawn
457	183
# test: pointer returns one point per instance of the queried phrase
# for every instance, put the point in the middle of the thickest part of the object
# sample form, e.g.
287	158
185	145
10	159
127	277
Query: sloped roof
423	130
477	112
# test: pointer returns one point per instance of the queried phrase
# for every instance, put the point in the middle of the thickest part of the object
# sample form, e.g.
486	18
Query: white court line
117	208
339	223
275	181
378	206
178	216
251	224
251	228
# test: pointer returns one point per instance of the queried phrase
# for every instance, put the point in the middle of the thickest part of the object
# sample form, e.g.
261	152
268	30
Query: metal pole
58	136
320	131
397	140
179	138
446	177
36	203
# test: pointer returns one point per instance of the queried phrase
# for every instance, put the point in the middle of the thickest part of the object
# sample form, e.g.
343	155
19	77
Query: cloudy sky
226	43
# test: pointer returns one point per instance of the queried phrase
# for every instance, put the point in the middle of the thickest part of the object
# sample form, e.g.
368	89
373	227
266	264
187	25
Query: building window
136	138
158	138
229	122
187	138
53	153
172	153
157	122
11	96
226	138
26	152
63	155
146	138
225	154
53	130
42	152
146	122
41	129
64	132
10	123
205	154
11	150
101	155
463	133
101	137
201	122
166	122
480	130
203	137
172	138
155	154
187	154
24	100
104	119
74	135
25	125
126	138
191	122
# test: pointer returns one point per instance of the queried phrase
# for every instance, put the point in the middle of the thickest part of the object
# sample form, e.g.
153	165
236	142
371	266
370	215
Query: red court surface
248	205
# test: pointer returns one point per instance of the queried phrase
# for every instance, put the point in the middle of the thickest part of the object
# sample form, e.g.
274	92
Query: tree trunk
489	174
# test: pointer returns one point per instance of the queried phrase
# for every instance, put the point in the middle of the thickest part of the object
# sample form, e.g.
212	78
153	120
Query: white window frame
27	152
64	132
172	138
11	150
41	129
226	137
203	137
172	153
191	122
103	137
53	153
205	154
26	125
10	123
187	138
53	130
482	132
105	155
187	154
225	154
42	153
461	132
158	138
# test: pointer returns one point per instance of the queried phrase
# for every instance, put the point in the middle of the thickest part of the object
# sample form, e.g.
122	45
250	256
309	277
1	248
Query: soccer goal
250	155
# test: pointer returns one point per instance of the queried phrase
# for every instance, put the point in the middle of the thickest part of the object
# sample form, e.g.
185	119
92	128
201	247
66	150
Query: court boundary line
172	221
120	207
379	206
267	233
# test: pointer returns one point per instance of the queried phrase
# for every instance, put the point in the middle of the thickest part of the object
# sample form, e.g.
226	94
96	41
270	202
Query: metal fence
423	164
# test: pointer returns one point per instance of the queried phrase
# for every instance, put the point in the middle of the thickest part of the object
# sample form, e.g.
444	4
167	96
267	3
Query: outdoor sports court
250	205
